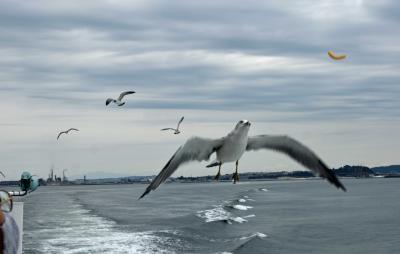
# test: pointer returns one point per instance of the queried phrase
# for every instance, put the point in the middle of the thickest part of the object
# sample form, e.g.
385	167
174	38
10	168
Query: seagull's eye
241	121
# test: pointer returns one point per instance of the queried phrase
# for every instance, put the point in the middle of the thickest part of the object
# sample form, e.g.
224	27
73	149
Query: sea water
293	216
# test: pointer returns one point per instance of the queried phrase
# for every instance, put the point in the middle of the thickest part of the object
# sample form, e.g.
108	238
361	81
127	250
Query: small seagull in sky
231	148
66	132
176	131
119	101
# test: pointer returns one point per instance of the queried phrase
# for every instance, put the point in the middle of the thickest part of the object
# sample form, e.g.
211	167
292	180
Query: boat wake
82	232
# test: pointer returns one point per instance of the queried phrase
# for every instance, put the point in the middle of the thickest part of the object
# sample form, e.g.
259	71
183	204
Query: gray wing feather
59	134
296	151
179	123
125	93
72	129
195	149
167	129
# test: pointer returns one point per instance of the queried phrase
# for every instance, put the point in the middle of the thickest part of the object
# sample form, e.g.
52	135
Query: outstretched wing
195	148
125	93
296	151
167	129
108	101
179	123
59	134
72	129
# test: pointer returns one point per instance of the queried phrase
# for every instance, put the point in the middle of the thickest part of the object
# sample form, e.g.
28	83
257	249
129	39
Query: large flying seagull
231	148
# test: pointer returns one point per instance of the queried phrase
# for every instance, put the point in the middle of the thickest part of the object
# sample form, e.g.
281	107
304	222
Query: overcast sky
214	62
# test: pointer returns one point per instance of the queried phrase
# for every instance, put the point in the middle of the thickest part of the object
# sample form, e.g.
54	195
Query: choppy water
302	216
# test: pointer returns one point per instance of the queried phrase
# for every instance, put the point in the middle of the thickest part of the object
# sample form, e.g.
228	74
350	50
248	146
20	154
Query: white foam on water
218	213
258	234
83	232
238	219
249	216
246	196
241	200
242	207
264	189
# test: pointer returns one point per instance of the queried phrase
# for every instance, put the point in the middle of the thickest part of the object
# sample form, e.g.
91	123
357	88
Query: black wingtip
144	194
212	165
332	178
341	186
337	183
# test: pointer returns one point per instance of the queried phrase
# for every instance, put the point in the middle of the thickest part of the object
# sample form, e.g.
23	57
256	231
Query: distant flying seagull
231	147
66	132
1	173
176	131
119	100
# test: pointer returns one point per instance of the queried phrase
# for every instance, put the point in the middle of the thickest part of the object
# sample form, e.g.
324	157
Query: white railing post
18	215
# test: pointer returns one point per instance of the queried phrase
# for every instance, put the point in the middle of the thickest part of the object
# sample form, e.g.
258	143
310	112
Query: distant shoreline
353	172
200	182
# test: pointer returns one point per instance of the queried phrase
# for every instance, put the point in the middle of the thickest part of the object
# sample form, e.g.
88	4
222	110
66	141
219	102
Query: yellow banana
336	57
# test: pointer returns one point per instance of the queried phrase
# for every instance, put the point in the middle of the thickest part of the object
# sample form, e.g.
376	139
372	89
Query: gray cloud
213	61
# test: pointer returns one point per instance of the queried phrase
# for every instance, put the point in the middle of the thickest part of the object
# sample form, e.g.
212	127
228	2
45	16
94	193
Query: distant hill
354	171
393	169
345	171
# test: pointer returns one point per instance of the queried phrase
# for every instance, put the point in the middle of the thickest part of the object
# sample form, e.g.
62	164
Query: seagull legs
219	172
235	176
